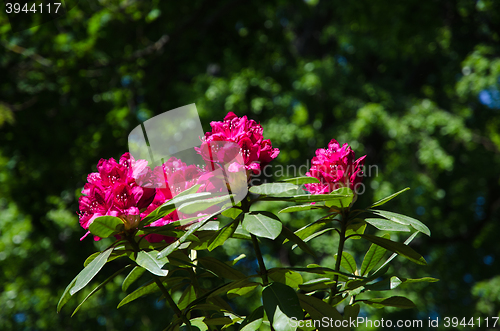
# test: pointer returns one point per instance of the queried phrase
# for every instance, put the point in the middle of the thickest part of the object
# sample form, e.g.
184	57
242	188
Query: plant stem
262	266
342	238
158	282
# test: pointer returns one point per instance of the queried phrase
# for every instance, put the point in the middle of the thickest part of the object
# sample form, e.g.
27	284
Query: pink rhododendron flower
247	134
119	189
335	167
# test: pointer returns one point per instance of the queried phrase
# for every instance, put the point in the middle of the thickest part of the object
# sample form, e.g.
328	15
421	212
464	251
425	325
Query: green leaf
311	228
292	209
314	235
86	275
372	257
402	219
399	248
170	248
132	277
341	203
197	324
347	262
169	206
301	180
380	269
351	312
253	321
262	224
222	235
294	238
66	295
396	301
221	269
141	291
287	277
309	197
149	261
187	297
317	284
91	258
218	321
106	226
99	287
197	206
223	289
318	309
419	280
243	290
281	321
357	226
284	297
387	225
273	189
231	213
386	199
385	285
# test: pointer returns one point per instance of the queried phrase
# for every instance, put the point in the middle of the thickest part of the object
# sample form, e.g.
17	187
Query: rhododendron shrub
167	220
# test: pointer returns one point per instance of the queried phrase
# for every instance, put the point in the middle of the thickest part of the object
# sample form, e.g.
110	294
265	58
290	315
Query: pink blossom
247	134
335	168
119	189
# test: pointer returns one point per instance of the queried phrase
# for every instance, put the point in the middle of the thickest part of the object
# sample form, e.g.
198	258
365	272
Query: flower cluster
247	134
131	190
118	189
335	167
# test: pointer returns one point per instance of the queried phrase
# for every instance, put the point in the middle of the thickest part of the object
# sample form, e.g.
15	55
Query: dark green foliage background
398	81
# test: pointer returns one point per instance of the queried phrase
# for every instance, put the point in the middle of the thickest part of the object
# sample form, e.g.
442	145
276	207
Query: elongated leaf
221	269
317	284
287	277
66	295
149	261
197	206
243	290
387	225
319	271
318	308
106	226
294	238
253	321
141	291
385	285
402	219
292	209
282	322
221	236
401	249
187	297
301	180
309	197
225	288
373	257
132	277
169	206
351	312
344	202
280	295
182	239
407	242
232	213
309	229
347	262
86	275
390	197
262	224
419	280
357	226
273	189
314	235
99	287
396	301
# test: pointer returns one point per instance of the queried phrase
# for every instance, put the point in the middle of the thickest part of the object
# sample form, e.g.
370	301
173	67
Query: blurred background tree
414	85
